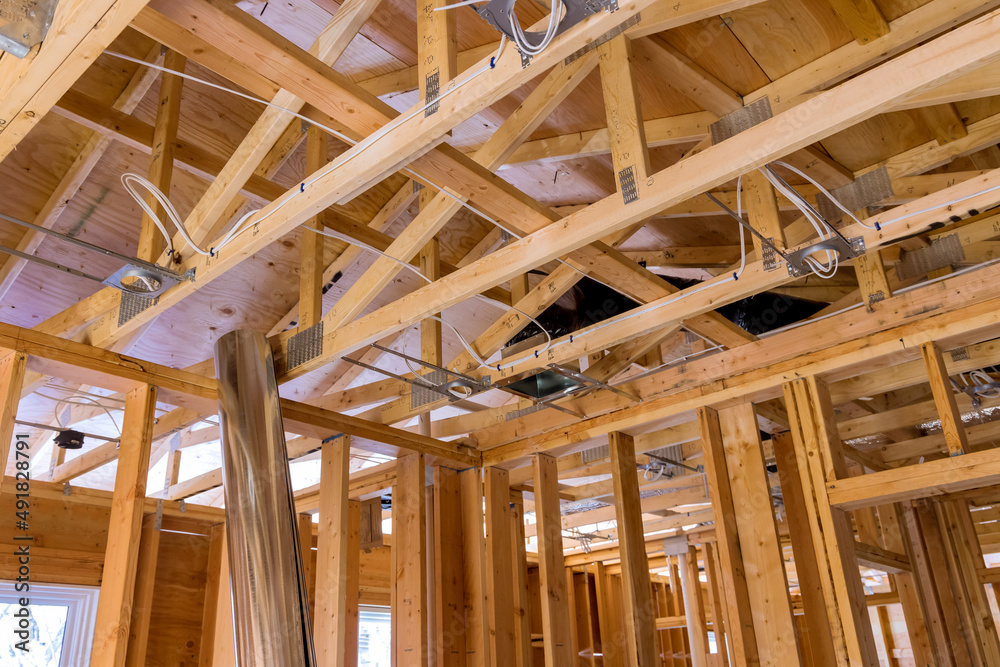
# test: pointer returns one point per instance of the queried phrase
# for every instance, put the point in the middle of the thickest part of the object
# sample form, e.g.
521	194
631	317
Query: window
374	637
62	625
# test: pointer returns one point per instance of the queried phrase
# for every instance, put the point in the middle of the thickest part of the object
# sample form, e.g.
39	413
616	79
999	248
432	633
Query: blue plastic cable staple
333	437
736	276
571	338
878	227
211	251
302	188
493	62
536	354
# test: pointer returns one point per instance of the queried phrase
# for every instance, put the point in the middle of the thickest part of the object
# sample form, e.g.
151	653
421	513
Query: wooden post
142	608
499	567
332	555
733	574
161	167
305	531
816	625
694	608
353	588
409	538
474	560
720	625
872	280
551	564
762	211
312	244
820	460
114	610
449	589
218	648
944	398
764	567
522	620
640	620
11	381
609	646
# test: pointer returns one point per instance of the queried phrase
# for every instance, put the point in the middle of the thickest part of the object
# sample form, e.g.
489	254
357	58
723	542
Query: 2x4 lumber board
733	577
872	280
759	369
410	575
799	517
955	436
760	546
114	609
312	245
80	31
449	589
12	368
551	568
213	587
639	630
353	584
694	607
762	211
522	619
332	573
624	112
476	625
932	478
143	600
716	611
437	48
161	167
863	18
84	163
820	458
499	567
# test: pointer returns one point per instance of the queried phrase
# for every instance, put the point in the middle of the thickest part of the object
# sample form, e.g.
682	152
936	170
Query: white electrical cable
69	401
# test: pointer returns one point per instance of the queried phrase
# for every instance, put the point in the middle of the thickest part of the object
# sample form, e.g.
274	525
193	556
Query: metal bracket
767	255
741	120
626	182
498	14
25	23
67	489
845	248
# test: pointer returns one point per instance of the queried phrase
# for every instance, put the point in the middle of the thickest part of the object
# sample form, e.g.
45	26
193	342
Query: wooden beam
758	536
12	366
816	624
733	571
312	245
640	633
820	458
945	122
499	568
694	608
143	600
449	589
552	571
161	168
944	397
217	645
332	554
114	609
522	619
762	211
477	640
80	31
410	576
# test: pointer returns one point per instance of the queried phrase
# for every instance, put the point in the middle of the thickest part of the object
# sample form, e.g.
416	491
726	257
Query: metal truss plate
767	255
432	88
498	14
524	412
741	120
24	23
422	395
845	250
305	346
626	182
595	454
960	354
866	190
944	251
131	305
